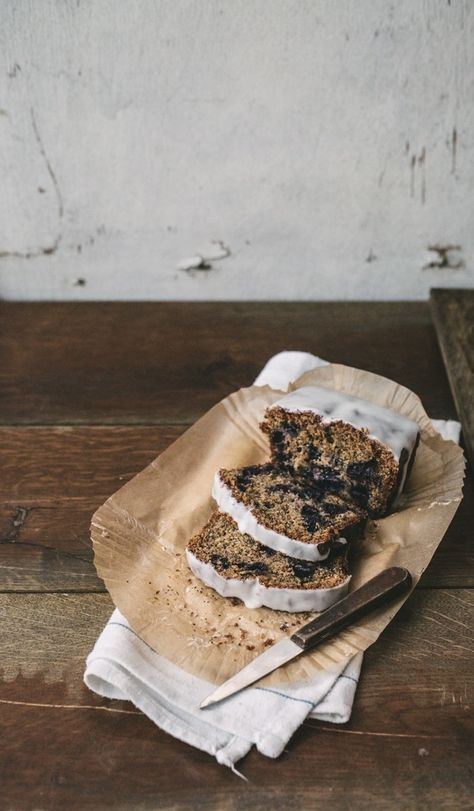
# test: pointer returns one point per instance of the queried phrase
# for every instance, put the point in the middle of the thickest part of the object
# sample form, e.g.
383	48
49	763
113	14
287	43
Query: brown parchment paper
140	533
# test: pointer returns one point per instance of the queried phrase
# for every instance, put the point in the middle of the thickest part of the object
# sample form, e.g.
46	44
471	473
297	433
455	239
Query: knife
387	585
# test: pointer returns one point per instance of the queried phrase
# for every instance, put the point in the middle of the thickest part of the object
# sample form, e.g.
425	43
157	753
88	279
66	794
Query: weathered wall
289	148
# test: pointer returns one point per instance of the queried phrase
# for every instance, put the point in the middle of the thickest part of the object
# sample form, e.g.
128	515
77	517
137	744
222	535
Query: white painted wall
304	149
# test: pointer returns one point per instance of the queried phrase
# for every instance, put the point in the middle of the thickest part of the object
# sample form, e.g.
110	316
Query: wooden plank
47	547
54	479
407	745
453	563
122	363
48	464
453	316
51	550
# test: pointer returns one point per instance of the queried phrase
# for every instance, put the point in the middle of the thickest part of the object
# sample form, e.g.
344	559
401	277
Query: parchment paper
140	533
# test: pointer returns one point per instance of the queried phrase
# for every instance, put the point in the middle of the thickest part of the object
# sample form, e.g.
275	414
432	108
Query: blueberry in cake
342	446
279	536
285	513
235	565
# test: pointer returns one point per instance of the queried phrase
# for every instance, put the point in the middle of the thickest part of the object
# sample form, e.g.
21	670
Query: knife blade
387	585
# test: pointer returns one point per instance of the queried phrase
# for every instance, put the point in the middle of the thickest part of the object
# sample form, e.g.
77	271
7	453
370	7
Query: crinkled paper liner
140	534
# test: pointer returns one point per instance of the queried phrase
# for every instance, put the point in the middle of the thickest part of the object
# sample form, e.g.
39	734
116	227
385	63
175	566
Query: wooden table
90	394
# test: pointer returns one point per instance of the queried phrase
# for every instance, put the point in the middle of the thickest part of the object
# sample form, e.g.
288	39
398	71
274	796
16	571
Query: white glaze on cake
248	524
393	430
255	595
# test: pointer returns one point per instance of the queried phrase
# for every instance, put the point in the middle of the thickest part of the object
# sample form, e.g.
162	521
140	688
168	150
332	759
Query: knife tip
206	703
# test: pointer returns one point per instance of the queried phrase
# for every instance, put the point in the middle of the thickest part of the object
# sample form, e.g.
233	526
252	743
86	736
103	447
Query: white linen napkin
123	666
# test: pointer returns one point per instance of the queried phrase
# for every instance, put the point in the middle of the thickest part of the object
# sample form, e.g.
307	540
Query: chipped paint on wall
318	151
444	257
205	259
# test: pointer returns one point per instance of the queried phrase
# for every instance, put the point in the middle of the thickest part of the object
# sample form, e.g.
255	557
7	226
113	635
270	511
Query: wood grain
453	316
407	745
46	547
169	362
45	464
147	370
452	565
54	478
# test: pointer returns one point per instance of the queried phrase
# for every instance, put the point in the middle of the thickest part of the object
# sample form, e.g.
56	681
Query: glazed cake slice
235	565
342	445
276	509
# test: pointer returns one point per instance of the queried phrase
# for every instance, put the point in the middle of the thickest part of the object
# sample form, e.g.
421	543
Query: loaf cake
235	565
342	445
284	513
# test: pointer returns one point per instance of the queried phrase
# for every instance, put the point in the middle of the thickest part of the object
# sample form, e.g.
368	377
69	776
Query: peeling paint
216	250
203	260
319	192
194	263
444	257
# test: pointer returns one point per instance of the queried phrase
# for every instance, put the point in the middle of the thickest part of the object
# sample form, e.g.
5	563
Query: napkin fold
123	666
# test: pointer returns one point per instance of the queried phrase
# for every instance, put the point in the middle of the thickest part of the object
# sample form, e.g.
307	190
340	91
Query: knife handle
380	589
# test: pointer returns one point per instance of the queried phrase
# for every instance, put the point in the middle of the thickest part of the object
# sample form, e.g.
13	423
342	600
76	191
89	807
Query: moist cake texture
284	513
279	537
237	566
341	445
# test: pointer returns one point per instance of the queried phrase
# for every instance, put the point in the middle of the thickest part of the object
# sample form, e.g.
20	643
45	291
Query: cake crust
237	566
280	511
337	457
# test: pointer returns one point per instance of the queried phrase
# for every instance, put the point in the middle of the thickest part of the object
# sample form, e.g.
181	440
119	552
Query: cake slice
288	515
235	565
342	445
